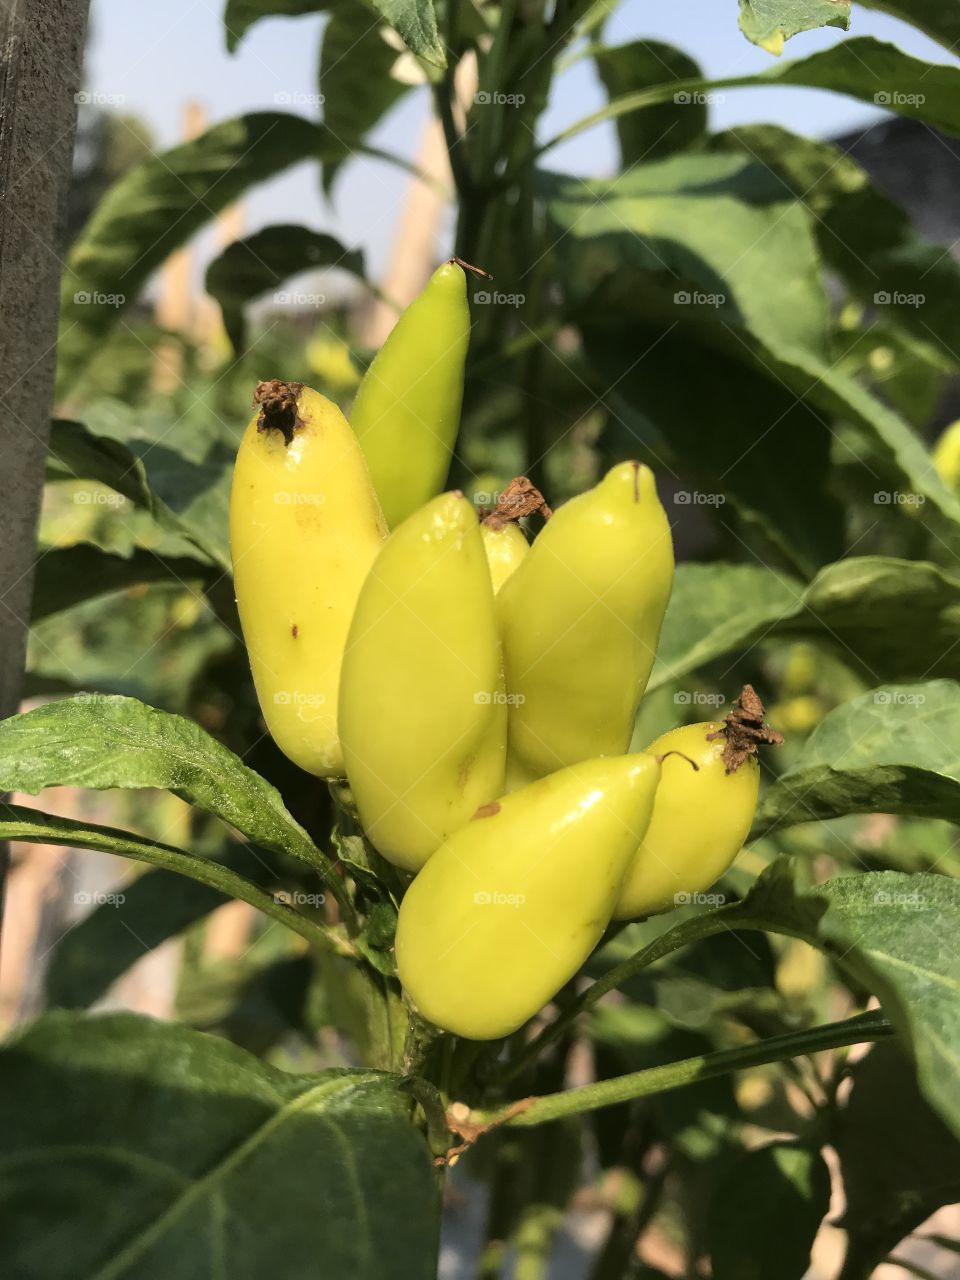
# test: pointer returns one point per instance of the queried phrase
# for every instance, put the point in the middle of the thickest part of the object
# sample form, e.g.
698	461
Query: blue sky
154	57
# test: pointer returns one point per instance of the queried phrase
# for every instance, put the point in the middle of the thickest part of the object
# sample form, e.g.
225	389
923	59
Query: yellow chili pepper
508	909
407	411
703	812
305	528
580	620
422	714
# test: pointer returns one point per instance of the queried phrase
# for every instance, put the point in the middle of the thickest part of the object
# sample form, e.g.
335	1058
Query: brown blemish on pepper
636	481
488	810
294	631
520	498
744	730
278	407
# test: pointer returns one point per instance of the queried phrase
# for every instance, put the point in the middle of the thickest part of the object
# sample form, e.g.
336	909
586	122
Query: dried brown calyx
278	407
744	730
520	498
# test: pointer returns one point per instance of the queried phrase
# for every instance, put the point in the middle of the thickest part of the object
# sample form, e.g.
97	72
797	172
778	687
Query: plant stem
640	1084
422	1037
537	445
31	825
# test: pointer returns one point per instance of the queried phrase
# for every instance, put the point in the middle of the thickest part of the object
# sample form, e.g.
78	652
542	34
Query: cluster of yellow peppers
478	692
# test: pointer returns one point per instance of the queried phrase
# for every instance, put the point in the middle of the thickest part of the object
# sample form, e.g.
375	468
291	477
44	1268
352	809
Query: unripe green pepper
508	909
580	620
407	411
305	527
422	714
703	811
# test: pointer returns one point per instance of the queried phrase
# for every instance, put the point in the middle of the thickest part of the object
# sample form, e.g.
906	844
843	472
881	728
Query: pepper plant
692	1047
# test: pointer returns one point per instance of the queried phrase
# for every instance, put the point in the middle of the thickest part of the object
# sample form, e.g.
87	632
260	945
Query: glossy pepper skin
701	819
422	714
407	411
506	547
509	908
305	527
580	620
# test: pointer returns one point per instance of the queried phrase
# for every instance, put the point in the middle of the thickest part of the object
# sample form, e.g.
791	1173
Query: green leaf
769	23
186	495
722	223
34	826
355	80
249	268
783	1191
939	19
137	1150
887	929
240	15
659	281
899	1161
157	645
100	741
155	906
66	576
655	268
757	458
716	609
416	23
877	73
893	750
862	233
156	207
888	619
663	129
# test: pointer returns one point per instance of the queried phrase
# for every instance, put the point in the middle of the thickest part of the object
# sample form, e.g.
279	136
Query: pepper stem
468	266
692	763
